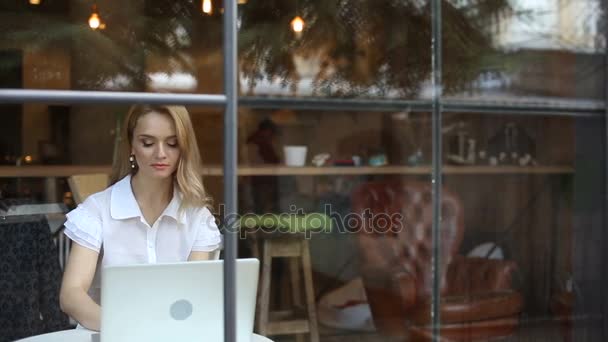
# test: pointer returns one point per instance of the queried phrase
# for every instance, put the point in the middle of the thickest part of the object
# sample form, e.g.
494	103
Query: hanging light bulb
297	25
241	2
34	2
207	9
94	20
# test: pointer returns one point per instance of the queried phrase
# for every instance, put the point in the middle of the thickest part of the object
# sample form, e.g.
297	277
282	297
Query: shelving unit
46	171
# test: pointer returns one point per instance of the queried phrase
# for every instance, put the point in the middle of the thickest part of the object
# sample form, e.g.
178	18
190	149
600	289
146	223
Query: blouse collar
123	204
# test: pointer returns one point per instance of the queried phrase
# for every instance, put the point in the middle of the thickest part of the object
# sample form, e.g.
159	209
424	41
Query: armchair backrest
396	229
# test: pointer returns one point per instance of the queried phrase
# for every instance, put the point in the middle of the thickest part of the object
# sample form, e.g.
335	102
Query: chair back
82	186
396	229
30	279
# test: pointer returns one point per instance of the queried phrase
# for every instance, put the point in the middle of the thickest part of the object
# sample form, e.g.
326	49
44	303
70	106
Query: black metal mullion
107	97
380	105
337	104
230	166
604	253
320	104
436	178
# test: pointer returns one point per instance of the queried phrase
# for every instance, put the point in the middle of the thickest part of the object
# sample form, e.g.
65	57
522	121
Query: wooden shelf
397	170
549	169
45	171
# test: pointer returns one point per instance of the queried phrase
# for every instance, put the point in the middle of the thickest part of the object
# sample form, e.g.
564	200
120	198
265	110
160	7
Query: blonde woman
154	211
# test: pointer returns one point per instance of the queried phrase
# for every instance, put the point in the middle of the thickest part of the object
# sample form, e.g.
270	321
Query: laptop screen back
175	302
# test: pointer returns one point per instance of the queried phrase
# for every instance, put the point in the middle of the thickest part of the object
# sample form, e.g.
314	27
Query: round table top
83	335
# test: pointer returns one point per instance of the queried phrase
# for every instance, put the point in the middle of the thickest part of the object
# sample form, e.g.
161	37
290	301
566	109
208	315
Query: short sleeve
83	225
208	236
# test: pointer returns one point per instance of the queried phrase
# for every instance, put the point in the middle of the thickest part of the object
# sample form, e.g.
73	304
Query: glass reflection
522	259
362	49
538	51
375	49
351	262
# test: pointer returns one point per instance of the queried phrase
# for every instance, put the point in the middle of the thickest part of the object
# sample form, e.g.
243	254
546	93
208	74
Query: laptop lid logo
181	310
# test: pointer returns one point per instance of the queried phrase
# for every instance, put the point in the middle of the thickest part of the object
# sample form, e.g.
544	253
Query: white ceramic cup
295	155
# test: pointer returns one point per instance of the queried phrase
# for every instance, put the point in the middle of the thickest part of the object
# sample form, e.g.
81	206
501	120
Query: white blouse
110	222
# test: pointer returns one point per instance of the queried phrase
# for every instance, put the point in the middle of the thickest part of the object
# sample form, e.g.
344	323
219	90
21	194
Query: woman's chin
159	174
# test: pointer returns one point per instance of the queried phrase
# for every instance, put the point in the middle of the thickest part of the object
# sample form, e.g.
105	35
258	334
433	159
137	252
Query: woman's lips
160	166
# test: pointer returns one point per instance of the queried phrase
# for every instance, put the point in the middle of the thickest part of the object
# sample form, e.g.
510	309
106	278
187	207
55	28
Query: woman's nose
161	152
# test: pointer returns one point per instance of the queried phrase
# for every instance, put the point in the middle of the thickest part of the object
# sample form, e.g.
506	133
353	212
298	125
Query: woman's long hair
188	175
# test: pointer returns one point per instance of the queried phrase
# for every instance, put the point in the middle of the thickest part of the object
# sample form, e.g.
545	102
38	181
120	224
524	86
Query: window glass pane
49	137
354	49
524	194
542	52
151	45
41	147
373	172
524	181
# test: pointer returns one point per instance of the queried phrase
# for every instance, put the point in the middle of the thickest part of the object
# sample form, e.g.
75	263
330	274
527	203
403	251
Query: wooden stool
299	320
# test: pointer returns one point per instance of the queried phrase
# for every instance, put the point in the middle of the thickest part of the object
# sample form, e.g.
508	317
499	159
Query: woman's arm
77	279
198	256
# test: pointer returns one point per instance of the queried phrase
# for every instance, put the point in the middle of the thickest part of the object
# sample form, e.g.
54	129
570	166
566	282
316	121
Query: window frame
230	101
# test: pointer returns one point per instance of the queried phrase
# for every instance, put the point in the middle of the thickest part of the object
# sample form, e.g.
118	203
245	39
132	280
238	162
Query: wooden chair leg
264	293
310	292
296	289
255	249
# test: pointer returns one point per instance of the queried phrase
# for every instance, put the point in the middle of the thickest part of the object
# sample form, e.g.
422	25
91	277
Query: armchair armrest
391	294
474	275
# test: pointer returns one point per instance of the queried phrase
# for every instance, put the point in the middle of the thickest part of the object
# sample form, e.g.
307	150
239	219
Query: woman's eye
172	144
147	144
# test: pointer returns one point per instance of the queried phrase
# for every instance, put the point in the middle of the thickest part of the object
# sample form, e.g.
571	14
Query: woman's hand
77	279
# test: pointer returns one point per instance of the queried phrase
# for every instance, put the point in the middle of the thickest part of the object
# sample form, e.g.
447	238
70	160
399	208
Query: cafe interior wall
43	68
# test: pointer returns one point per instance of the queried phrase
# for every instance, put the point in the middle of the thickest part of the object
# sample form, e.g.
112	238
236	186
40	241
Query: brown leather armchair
395	248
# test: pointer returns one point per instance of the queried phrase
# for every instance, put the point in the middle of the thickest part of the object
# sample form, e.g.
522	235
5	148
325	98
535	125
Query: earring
132	161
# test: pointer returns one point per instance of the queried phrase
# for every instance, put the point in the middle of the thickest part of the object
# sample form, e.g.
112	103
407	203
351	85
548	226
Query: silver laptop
175	302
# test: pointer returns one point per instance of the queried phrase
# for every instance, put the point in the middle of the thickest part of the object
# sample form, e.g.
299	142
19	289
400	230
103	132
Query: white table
83	335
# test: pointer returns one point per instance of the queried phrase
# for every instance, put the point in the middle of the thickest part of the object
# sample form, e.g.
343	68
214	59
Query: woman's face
155	145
